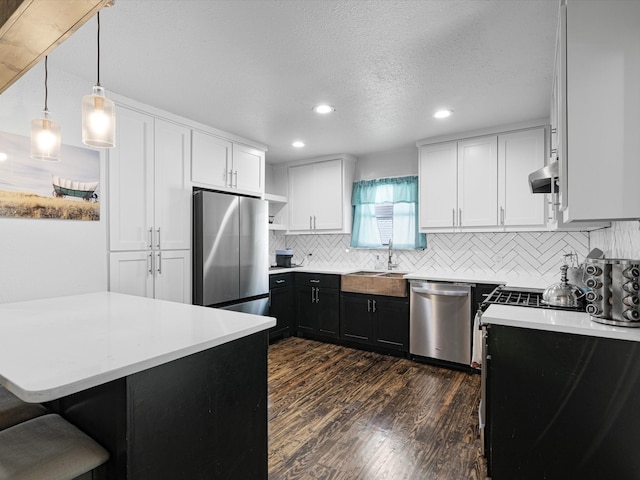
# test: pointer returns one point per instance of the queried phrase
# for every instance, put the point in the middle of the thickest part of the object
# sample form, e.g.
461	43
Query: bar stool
47	448
14	411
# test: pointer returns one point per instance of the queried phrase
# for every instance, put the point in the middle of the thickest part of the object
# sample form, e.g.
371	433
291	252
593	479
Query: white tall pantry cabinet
149	208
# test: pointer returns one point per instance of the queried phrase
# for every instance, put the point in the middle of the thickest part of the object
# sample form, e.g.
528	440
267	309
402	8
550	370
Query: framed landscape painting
68	189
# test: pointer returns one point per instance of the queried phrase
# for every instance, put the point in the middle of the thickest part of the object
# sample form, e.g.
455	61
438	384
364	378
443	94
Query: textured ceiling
255	68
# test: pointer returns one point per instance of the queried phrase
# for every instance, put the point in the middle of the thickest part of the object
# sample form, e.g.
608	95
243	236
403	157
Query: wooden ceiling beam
30	29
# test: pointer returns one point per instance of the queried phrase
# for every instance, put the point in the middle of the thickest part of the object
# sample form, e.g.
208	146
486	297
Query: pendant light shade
45	138
98	119
98	114
45	133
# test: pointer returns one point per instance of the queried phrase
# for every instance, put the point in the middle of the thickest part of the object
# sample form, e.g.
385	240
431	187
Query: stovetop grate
520	298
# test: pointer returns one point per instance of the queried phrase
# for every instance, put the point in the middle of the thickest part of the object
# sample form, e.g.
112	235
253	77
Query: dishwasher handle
442	293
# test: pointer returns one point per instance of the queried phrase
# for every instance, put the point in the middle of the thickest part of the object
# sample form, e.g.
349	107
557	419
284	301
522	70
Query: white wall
393	163
43	258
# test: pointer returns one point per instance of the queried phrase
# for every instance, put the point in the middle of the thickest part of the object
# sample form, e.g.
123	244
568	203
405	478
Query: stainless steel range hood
544	180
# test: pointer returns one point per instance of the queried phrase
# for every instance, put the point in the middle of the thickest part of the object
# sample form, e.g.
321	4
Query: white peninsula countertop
59	346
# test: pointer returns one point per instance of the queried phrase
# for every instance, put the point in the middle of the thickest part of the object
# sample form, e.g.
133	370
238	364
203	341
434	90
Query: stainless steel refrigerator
230	252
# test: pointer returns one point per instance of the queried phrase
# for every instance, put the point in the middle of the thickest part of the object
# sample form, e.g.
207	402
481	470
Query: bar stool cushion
47	448
14	411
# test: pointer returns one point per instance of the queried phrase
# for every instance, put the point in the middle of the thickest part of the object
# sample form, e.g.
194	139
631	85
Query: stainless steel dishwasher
440	321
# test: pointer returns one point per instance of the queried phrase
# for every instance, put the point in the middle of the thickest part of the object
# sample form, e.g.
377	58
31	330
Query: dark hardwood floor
337	413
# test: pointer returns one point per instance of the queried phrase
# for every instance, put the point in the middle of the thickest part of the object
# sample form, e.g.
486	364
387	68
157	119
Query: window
386	209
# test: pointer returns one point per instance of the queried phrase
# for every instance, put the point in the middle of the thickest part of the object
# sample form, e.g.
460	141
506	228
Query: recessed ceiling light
443	113
323	108
298	144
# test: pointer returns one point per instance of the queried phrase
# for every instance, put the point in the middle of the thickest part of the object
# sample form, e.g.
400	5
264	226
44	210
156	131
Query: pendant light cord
46	78
98	84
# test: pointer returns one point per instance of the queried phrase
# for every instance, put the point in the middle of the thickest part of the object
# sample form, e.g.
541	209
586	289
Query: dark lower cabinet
374	320
562	406
282	305
317	299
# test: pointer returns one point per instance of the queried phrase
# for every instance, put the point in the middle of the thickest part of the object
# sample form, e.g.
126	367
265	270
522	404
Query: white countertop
556	321
55	347
524	281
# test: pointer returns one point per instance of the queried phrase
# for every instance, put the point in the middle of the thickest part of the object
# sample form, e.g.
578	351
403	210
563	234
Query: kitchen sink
390	284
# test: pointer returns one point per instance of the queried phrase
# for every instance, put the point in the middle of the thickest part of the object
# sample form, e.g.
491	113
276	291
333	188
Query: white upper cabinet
601	100
478	182
248	168
320	196
519	154
438	174
210	159
172	192
458	184
149	195
481	184
224	165
131	182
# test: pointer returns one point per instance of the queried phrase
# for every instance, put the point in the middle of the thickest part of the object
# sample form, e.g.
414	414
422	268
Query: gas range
520	297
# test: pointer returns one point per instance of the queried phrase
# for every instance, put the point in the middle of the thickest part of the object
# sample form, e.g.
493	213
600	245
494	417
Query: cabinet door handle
229	180
150	263
314	222
368	305
317	295
313	292
453	217
235	175
374	306
310	222
159	263
314	281
459	217
158	239
280	281
502	216
150	237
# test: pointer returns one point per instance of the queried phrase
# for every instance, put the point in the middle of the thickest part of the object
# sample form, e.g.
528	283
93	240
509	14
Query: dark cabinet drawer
280	280
323	280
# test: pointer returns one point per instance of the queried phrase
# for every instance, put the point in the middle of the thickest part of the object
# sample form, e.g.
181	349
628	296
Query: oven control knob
631	287
632	272
593	283
593	270
631	300
593	296
633	315
593	309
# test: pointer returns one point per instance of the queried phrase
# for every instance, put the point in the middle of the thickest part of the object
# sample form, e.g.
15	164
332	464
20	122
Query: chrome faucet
390	263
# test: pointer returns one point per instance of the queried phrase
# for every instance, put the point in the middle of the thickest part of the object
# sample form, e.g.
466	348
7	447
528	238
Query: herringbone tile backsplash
506	253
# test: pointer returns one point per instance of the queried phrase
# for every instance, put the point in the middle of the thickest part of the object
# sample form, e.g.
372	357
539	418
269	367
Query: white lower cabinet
164	275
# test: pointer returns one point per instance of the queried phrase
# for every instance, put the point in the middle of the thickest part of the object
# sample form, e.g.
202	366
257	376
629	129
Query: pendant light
98	114
45	133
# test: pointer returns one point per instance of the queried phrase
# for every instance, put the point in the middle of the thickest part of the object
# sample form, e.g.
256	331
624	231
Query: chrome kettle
563	294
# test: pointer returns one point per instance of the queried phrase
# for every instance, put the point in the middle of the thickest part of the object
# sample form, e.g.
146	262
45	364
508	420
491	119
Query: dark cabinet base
562	406
200	417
